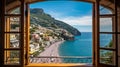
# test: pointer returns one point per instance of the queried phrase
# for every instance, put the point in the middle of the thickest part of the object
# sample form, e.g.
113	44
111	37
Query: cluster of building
42	38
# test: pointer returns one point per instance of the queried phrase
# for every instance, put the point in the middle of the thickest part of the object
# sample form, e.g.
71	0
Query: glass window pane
107	57
14	11
107	40
104	10
12	57
108	9
12	24
12	41
106	25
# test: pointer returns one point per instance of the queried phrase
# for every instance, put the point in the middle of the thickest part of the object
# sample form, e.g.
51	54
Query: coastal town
45	34
41	38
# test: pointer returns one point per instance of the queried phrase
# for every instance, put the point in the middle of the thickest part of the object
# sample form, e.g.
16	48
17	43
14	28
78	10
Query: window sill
65	65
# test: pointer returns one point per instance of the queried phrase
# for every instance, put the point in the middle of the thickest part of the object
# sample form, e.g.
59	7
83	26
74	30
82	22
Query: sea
81	47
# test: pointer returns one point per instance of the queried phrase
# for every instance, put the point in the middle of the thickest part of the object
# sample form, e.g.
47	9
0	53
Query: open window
107	34
14	33
49	38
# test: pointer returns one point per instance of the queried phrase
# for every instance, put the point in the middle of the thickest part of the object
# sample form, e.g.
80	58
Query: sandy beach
52	50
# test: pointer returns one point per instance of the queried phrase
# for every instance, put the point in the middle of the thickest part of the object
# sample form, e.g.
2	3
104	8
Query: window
57	41
15	35
107	34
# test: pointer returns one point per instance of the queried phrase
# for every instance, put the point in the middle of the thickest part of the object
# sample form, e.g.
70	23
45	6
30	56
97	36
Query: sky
71	12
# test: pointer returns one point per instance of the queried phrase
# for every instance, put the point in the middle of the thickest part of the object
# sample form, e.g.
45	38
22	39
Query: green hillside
38	16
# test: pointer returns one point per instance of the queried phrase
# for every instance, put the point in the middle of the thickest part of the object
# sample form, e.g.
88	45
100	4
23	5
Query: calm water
82	45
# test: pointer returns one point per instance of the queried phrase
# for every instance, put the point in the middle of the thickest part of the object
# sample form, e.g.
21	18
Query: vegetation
13	26
107	56
37	16
110	44
14	57
36	53
45	30
45	20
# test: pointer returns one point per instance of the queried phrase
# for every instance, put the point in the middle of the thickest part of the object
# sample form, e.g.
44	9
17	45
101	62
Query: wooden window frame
5	38
25	27
97	35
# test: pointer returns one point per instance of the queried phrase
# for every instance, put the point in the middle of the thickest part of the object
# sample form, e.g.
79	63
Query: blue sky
71	12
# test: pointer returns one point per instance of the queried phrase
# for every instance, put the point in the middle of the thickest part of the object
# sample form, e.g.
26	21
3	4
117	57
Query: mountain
38	16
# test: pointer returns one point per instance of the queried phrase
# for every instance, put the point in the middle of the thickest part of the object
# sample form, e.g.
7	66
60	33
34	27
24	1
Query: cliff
38	16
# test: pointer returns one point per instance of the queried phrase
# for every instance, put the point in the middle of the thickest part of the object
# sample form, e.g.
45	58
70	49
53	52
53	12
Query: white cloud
106	21
85	20
72	20
55	14
106	24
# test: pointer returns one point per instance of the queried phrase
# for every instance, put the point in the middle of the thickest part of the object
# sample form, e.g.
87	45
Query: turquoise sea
82	45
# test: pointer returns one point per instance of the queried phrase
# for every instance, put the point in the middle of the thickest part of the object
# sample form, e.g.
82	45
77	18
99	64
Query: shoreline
52	50
49	54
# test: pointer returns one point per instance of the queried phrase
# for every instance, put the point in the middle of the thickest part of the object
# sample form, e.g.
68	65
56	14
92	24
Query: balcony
60	61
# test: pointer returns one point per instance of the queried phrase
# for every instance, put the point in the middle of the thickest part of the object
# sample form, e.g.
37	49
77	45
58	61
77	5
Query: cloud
72	20
106	24
106	21
55	14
